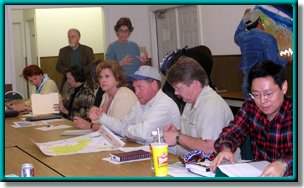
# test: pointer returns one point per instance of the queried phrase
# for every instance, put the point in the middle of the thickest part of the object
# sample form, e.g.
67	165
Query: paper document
44	103
75	132
252	169
19	124
92	142
201	168
178	170
53	127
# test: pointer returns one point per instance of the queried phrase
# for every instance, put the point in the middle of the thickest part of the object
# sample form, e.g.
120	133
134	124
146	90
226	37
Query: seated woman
80	97
118	100
40	84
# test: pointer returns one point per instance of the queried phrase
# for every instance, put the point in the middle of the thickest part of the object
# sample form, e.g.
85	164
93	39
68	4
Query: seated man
267	118
205	114
154	109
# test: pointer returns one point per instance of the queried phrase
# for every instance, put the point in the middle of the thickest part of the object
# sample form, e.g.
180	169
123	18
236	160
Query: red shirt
270	140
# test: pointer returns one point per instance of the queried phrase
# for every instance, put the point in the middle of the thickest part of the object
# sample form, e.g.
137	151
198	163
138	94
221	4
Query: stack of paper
44	104
252	169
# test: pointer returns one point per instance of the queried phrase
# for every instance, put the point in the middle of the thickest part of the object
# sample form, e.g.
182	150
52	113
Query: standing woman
125	52
118	100
81	97
40	84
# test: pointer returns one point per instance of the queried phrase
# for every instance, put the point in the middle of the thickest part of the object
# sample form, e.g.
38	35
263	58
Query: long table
84	165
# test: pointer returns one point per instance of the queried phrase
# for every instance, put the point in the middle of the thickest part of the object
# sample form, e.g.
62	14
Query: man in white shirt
205	114
154	109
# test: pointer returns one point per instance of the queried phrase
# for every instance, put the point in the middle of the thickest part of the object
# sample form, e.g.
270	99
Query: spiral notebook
131	155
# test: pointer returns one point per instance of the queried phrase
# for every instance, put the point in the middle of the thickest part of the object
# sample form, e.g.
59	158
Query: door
188	26
176	28
19	58
31	46
166	32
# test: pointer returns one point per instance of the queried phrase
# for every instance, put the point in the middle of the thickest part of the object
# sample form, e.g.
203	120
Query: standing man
75	53
205	114
256	45
153	110
267	118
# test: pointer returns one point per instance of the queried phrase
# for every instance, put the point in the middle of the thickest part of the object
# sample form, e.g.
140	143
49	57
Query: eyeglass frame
124	31
266	96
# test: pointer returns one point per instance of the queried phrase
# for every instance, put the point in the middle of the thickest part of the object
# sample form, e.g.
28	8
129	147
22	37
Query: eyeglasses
124	31
257	95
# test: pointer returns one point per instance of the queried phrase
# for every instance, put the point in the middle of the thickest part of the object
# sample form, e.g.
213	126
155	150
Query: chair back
12	95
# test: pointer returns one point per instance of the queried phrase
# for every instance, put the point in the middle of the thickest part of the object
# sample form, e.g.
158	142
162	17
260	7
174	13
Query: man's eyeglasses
257	95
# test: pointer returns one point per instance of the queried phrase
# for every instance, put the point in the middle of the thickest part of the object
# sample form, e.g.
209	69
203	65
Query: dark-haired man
267	118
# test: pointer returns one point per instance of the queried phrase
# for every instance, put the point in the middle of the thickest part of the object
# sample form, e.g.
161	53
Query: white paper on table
44	103
75	132
92	142
53	127
117	162
178	170
252	169
127	149
19	124
201	168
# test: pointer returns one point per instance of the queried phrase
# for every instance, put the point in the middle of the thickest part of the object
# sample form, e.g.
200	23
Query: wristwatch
285	165
177	137
91	126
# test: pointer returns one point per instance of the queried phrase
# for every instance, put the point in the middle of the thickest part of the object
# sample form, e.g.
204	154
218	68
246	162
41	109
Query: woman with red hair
40	84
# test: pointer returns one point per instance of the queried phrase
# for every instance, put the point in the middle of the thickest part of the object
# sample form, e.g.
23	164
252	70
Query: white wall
53	24
219	23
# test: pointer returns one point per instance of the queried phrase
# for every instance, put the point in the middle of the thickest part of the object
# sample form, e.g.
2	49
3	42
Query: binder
131	155
43	117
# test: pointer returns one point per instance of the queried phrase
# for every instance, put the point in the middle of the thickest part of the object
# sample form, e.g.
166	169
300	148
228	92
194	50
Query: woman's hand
81	123
143	58
126	60
95	113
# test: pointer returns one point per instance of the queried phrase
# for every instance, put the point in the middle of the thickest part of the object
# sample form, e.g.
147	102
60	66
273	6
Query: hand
246	11
170	133
63	109
56	107
126	60
274	169
143	58
226	154
18	107
81	123
95	113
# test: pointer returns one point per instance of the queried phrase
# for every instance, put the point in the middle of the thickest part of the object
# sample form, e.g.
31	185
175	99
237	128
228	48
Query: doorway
176	28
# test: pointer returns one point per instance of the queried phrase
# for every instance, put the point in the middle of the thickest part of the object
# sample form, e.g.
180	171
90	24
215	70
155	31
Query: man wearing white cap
154	109
255	44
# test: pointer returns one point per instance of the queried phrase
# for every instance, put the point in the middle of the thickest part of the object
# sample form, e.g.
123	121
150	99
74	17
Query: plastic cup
160	158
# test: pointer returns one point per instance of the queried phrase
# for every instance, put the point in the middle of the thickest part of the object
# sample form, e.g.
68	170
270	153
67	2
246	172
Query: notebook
131	155
43	117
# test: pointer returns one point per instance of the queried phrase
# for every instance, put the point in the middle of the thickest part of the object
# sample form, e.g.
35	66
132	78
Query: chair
13	95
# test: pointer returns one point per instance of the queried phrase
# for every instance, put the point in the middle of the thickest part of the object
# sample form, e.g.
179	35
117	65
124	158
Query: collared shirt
205	119
256	46
48	86
143	119
270	140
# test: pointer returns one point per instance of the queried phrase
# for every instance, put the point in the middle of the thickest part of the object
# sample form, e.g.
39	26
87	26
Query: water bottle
154	139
